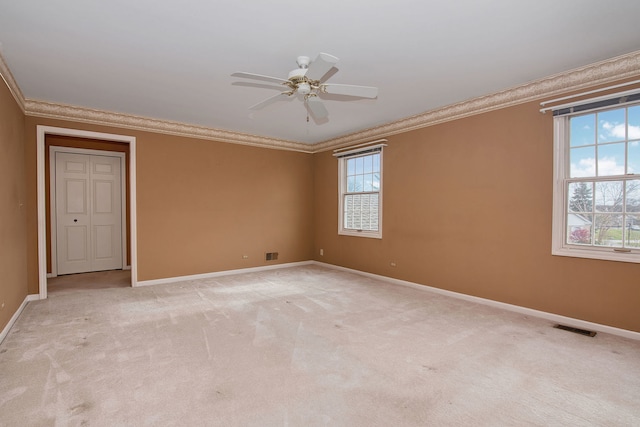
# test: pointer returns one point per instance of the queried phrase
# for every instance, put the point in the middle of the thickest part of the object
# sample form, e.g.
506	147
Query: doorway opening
108	279
99	241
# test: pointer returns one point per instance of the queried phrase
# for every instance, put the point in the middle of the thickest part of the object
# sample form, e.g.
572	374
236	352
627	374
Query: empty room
336	214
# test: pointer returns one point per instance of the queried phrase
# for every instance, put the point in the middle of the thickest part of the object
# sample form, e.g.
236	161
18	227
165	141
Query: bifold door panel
88	206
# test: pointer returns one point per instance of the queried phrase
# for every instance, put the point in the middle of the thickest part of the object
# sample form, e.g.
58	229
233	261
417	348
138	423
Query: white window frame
342	190
560	200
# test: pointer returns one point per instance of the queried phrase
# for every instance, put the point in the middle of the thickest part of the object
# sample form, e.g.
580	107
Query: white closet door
88	213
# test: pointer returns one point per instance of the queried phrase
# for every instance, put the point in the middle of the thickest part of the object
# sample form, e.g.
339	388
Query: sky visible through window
363	173
609	137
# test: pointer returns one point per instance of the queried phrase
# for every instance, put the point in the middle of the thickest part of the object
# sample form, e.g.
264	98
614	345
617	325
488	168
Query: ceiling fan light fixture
304	88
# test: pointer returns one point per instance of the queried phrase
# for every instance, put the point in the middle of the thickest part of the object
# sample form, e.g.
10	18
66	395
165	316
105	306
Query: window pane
376	182
633	158
348	211
376	162
583	130
359	165
633	196
351	184
634	122
579	229
359	183
611	159
583	162
612	125
368	164
351	166
632	236
608	230
580	197
368	182
374	203
609	196
365	213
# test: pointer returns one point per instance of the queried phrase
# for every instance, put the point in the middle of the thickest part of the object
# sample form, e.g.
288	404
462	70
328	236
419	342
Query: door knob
75	220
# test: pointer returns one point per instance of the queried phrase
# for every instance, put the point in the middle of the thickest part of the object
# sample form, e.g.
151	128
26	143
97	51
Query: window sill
368	234
604	254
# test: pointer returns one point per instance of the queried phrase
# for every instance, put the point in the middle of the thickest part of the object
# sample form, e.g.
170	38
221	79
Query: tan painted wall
202	205
467	208
13	232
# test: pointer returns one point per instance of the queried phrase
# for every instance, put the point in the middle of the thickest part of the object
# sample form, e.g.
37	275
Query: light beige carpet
304	346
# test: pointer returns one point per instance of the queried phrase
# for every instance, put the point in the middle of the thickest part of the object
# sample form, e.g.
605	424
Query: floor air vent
576	330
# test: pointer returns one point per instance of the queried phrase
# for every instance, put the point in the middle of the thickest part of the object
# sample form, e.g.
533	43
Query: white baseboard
556	318
15	316
221	273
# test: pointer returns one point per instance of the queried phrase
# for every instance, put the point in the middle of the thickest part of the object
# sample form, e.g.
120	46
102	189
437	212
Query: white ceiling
173	60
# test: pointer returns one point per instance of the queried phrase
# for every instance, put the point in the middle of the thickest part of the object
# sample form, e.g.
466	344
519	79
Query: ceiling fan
308	80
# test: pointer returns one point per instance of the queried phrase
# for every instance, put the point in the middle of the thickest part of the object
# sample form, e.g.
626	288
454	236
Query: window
360	204
597	182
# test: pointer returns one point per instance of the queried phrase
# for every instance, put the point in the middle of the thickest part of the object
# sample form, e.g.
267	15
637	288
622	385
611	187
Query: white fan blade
321	66
269	101
317	108
351	90
258	85
259	77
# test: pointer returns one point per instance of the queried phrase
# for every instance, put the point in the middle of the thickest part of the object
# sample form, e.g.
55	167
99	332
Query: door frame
42	132
52	199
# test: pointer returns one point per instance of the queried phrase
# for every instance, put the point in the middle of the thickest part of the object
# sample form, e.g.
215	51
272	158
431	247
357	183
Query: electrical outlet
393	263
321	252
245	256
2	306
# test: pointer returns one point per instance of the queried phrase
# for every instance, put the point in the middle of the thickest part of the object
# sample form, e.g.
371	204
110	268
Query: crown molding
11	83
604	72
108	118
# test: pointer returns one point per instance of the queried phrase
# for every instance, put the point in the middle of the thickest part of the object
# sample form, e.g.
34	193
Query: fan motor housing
303	61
